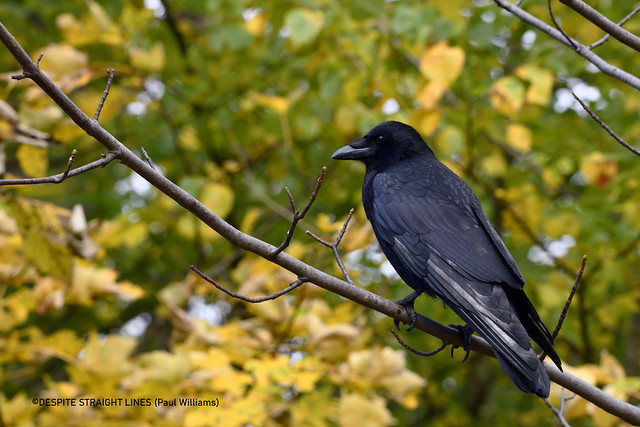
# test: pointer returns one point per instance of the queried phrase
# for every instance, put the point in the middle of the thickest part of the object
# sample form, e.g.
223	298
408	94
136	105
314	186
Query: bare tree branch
553	19
292	286
580	49
604	23
567	303
334	246
621	23
557	413
105	94
298	215
57	179
603	125
361	296
563	314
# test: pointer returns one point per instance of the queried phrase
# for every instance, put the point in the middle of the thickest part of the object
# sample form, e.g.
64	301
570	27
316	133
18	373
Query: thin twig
620	24
147	158
553	19
557	413
110	72
567	304
289	288
574	289
298	215
418	352
605	127
56	179
334	246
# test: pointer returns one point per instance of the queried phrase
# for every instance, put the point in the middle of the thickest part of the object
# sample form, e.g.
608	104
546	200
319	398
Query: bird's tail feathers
533	324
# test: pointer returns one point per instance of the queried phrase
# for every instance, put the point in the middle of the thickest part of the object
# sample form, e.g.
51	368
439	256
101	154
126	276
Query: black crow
431	227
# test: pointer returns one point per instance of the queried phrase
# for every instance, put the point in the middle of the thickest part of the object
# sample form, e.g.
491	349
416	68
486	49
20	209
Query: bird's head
387	142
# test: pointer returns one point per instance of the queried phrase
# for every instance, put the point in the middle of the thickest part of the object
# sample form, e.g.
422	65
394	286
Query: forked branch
57	179
334	246
278	294
298	215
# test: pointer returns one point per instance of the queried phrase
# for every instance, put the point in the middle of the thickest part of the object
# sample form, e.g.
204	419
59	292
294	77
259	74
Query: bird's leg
466	331
407	303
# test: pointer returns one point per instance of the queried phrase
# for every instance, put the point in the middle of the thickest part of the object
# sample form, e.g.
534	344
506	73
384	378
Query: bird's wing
442	218
439	244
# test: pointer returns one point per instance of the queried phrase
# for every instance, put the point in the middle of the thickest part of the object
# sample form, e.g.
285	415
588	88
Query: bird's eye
380	138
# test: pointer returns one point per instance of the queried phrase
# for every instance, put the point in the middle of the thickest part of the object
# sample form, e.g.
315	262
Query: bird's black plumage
431	227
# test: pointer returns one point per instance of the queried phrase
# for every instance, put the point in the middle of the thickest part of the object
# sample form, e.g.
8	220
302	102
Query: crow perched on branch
431	227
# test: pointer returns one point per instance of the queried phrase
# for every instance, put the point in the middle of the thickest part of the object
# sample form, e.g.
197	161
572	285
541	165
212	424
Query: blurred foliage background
236	99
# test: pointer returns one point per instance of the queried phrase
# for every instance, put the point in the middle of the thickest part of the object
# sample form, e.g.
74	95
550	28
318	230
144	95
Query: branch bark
579	48
604	23
361	296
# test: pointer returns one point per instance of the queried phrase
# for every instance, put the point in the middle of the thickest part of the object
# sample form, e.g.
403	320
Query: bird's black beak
357	150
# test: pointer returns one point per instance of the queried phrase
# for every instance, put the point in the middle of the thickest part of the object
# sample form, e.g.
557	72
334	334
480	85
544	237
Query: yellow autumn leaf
121	232
441	63
33	161
45	236
426	122
598	169
158	367
231	382
304	25
90	281
611	369
108	356
94	27
255	24
151	60
313	410
558	225
450	141
277	104
507	95
540	84
61	59
370	411
429	96
218	197
188	139
326	225
519	137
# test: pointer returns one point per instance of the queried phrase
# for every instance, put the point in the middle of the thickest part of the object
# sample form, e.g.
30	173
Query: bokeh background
234	100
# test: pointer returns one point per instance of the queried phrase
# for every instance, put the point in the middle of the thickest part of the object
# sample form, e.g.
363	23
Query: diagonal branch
580	49
298	215
334	246
553	19
557	413
604	23
621	23
604	126
57	179
567	304
574	288
278	294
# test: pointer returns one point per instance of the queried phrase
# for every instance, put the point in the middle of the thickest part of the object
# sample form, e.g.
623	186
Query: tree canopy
240	102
